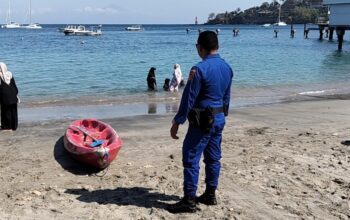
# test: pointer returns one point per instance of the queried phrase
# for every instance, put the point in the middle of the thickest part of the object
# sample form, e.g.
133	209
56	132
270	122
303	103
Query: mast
8	18
30	11
279	14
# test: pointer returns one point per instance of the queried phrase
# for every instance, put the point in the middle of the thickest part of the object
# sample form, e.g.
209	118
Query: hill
296	11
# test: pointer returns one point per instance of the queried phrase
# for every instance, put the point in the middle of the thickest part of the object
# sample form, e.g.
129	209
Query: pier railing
322	21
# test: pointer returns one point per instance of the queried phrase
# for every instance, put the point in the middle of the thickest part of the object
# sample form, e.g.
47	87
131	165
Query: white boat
9	24
134	28
80	30
266	25
279	22
31	25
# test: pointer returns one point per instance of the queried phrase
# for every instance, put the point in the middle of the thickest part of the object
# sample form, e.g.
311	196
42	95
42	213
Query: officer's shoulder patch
192	74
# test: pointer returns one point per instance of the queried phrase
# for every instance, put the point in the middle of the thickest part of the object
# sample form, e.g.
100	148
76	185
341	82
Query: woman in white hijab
8	99
176	80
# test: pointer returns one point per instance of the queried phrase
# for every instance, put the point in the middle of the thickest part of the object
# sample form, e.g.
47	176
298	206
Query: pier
338	22
339	19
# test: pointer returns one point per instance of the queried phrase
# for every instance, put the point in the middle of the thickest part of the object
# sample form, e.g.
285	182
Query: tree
211	16
265	5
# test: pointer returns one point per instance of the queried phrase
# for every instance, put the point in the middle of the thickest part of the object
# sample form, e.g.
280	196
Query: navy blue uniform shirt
209	85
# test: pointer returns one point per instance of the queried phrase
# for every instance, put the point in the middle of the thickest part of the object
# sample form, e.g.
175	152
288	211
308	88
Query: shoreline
161	103
282	161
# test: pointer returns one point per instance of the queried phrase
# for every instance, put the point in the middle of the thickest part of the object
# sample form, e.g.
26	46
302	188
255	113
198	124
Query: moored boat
134	28
32	25
82	31
10	24
266	25
92	142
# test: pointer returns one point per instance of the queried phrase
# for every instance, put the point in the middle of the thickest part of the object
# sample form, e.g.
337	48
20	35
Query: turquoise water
52	68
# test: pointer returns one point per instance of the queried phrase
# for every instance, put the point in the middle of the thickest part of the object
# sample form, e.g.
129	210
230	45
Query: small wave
315	92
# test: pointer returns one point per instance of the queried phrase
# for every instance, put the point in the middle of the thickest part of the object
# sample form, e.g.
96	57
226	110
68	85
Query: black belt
218	110
215	111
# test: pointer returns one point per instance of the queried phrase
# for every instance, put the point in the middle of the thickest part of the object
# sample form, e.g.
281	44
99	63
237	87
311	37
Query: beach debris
148	166
21	203
37	193
307	134
257	131
87	188
338	181
278	206
172	156
56	211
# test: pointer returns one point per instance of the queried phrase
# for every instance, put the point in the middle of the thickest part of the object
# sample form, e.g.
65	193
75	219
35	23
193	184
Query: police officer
205	102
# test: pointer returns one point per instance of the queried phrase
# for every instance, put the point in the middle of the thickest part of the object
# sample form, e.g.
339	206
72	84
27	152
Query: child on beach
166	85
8	99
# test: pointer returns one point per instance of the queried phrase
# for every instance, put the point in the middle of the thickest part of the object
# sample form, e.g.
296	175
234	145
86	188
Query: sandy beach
282	161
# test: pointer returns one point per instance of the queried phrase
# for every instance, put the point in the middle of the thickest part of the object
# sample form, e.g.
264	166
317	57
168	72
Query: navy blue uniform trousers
197	143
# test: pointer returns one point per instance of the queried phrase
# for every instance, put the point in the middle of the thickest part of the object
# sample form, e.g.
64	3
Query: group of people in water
8	99
171	85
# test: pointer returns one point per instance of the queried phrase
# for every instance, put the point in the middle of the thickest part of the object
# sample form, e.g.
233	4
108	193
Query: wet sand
281	161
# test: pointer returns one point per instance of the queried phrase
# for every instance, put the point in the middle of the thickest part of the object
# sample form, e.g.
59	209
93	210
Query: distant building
316	3
339	12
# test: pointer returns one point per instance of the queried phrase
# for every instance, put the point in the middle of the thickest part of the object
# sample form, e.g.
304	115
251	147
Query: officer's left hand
173	130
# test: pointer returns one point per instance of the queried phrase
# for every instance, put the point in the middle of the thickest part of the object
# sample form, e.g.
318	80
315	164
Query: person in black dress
151	79
8	99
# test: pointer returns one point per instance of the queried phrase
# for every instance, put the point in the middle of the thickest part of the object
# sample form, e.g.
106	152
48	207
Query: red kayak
92	142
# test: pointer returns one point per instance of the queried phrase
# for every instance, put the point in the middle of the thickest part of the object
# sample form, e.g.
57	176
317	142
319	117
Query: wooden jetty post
306	32
331	32
292	30
321	28
340	34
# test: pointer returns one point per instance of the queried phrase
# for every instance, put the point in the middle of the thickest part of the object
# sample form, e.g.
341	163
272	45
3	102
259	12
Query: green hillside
298	11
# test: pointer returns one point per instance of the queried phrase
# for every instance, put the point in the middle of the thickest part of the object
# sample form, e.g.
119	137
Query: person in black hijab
8	99
151	79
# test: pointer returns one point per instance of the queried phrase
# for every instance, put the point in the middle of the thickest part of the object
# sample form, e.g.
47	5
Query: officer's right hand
173	130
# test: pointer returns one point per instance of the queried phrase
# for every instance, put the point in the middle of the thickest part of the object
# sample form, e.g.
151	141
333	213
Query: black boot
185	205
207	198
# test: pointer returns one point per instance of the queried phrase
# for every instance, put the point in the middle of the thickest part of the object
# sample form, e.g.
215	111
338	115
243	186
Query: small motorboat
266	25
92	142
82	31
280	23
134	28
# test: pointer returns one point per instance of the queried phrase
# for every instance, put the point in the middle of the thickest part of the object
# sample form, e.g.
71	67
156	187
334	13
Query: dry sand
279	162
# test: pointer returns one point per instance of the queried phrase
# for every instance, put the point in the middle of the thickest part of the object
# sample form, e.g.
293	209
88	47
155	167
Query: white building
339	12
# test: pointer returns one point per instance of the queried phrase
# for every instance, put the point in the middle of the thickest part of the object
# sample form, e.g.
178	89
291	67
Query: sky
119	11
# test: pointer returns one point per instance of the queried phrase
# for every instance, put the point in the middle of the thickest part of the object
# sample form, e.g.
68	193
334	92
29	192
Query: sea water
53	71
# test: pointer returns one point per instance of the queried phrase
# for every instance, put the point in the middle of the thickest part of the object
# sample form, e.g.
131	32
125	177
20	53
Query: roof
335	2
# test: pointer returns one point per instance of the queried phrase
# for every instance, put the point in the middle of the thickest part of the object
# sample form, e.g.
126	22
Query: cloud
99	10
43	11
